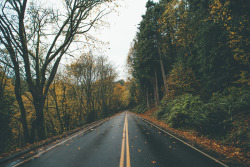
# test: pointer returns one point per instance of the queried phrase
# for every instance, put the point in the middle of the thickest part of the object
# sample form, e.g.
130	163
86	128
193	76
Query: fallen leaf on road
139	150
174	142
145	142
153	162
31	152
132	146
67	144
36	156
78	148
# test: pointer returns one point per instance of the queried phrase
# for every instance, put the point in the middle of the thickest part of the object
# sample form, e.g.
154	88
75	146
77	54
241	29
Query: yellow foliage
122	94
220	14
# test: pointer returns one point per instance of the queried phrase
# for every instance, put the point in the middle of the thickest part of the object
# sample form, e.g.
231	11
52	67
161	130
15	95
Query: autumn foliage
87	91
181	80
200	60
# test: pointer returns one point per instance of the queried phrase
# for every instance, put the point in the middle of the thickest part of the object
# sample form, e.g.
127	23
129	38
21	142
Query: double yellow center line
125	134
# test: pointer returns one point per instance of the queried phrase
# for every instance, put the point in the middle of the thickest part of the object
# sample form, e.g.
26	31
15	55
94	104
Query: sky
122	29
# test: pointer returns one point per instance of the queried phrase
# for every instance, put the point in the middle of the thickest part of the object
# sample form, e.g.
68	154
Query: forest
43	95
86	91
190	61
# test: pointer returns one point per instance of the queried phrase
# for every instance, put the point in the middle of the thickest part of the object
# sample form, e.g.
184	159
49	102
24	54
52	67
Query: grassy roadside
226	153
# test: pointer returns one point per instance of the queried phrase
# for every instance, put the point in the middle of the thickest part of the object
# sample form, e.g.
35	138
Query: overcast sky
121	32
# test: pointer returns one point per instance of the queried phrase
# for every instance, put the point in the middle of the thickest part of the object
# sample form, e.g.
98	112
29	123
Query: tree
84	72
105	84
200	43
24	33
6	109
181	80
145	56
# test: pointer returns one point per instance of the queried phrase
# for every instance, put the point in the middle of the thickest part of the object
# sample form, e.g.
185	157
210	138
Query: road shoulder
210	147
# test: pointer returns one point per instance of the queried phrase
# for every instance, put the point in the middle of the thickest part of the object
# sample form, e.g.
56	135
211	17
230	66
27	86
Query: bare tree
36	39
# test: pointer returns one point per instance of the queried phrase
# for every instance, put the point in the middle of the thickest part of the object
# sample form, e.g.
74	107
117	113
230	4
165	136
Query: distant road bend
124	140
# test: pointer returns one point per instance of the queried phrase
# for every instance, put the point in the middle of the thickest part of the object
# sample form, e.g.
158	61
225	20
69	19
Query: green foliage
217	117
134	94
221	111
140	109
179	111
204	48
145	57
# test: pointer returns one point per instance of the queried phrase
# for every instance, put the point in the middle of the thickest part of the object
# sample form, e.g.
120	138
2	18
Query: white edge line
44	151
184	142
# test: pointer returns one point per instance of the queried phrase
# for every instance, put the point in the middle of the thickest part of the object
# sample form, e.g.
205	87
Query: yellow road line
125	134
122	150
127	142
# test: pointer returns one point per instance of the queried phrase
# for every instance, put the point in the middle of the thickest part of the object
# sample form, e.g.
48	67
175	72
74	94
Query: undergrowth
224	117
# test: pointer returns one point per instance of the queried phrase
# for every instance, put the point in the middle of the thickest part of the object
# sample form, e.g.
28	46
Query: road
124	140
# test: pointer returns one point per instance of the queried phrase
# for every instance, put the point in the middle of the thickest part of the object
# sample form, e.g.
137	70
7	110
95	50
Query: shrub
220	111
140	109
215	118
179	111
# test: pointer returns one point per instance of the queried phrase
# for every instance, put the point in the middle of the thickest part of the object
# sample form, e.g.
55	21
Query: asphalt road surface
124	140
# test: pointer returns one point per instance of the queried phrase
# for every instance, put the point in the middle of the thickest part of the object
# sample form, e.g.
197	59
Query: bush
220	112
240	133
179	111
215	118
140	109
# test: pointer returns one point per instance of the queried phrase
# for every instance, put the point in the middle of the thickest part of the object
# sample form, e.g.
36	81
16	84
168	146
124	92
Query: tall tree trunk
40	123
21	105
163	73
157	100
18	95
23	115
